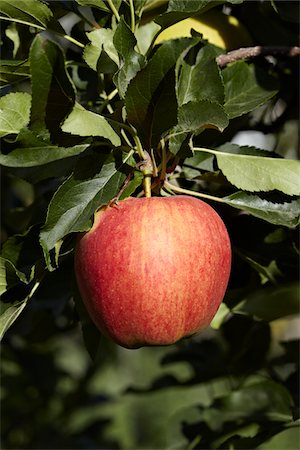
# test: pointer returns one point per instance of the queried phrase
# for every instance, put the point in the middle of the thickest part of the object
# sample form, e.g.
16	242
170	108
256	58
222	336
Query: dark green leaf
131	61
13	72
142	88
201	80
287	439
36	156
271	303
51	85
192	166
179	10
74	203
30	12
100	4
246	88
194	117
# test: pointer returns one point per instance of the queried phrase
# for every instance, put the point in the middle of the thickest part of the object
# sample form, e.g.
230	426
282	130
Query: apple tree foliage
85	91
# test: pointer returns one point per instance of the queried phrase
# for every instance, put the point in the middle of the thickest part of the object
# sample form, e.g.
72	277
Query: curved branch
253	52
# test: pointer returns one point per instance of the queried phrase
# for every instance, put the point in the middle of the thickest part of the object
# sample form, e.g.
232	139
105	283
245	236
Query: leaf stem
139	147
132	16
114	9
43	28
180	190
163	160
74	41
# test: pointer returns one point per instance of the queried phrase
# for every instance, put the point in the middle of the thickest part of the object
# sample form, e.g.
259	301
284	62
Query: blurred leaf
131	61
194	84
30	12
82	122
287	439
194	117
271	303
260	399
36	156
220	316
14	112
246	88
13	71
101	40
91	335
142	88
255	173
74	203
288	11
286	214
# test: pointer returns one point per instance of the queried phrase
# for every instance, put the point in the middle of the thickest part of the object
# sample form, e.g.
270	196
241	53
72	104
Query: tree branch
253	52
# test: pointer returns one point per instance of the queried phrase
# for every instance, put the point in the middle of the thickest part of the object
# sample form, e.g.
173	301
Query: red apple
153	270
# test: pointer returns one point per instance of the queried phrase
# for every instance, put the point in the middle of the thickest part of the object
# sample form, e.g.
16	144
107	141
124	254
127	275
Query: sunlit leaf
14	112
82	122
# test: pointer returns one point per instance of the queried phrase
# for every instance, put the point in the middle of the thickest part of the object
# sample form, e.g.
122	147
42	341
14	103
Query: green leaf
246	88
201	80
100	4
13	72
256	173
9	275
29	12
194	117
271	303
263	399
82	122
8	314
193	166
101	41
286	214
14	112
140	92
36	156
13	34
179	10
287	439
74	203
51	85
131	61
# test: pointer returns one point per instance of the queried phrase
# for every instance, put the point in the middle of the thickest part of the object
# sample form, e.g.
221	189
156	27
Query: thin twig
253	52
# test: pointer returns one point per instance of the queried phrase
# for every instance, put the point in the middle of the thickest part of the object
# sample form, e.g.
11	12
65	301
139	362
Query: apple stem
171	187
147	169
163	160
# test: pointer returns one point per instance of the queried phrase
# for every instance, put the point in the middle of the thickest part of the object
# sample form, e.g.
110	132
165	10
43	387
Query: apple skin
219	29
153	270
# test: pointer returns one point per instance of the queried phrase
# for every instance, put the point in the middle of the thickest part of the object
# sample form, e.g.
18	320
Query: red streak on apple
153	270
